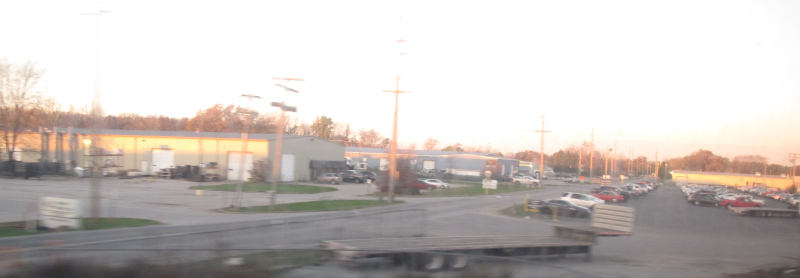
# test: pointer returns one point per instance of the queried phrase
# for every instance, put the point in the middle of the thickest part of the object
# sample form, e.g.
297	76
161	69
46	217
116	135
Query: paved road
672	238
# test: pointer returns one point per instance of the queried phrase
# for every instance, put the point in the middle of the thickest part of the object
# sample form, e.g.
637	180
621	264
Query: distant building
465	165
303	157
732	179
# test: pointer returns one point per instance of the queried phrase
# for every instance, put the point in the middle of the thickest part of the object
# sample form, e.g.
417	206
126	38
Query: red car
739	202
609	196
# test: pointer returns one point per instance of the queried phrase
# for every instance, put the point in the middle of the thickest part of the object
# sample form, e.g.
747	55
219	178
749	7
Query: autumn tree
701	160
19	100
211	119
457	147
322	127
430	144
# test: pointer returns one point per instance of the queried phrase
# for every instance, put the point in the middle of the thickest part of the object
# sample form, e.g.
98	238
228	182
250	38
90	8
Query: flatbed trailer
765	212
433	253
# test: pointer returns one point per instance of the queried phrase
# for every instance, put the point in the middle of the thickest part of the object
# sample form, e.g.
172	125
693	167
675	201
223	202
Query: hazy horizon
668	77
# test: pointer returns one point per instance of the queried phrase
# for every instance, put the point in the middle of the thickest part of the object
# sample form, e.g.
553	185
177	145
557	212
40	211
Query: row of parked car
786	197
581	204
354	176
720	196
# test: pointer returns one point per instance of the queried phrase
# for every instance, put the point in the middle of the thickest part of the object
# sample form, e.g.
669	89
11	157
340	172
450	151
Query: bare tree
368	138
19	101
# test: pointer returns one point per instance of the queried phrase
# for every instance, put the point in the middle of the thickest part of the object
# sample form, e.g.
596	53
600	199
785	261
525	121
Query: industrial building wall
136	150
306	149
731	180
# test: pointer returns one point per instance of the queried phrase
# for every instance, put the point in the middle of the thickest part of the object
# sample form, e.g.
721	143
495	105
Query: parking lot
672	238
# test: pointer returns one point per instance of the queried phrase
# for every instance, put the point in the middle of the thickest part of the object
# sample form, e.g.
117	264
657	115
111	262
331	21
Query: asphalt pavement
672	238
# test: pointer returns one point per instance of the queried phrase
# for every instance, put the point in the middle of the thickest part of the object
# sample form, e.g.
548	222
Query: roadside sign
583	178
490	184
56	213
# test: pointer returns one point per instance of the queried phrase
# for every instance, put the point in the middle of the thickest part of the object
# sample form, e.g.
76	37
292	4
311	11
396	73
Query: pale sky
666	76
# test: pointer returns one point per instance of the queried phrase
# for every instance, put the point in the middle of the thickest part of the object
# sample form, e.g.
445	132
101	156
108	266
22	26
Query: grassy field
18	228
283	188
325	205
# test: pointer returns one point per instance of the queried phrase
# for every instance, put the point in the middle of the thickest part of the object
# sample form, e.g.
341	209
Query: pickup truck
740	202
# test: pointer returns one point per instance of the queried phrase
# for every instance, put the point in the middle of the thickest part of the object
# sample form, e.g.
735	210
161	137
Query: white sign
56	213
490	184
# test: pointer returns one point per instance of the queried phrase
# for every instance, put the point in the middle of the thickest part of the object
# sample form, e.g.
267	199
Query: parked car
740	202
609	196
331	178
370	176
352	176
564	207
703	199
584	200
436	183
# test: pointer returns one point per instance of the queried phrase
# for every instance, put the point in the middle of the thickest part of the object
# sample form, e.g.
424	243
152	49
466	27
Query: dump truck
453	252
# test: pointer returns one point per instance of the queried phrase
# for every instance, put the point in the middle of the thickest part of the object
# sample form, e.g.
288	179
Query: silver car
331	178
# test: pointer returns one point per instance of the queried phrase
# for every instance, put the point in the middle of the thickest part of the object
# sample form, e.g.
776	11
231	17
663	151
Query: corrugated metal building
460	164
731	179
151	151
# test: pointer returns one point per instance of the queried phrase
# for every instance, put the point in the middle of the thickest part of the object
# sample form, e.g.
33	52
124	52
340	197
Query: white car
584	200
524	180
438	183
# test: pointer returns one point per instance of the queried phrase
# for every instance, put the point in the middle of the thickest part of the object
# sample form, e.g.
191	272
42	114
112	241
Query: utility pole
393	144
278	149
655	175
95	150
591	159
793	158
580	157
541	153
237	201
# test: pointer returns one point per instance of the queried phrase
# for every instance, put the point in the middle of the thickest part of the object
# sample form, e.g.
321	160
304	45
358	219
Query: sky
648	76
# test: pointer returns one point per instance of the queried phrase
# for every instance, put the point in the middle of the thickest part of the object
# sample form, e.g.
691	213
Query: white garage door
287	167
428	165
162	159
234	166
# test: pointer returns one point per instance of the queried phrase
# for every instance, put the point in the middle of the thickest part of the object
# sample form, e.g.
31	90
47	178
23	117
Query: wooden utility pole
591	159
393	143
541	152
276	158
580	157
655	175
793	158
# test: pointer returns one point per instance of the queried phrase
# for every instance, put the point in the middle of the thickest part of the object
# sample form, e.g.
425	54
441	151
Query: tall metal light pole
96	113
237	201
276	158
541	152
